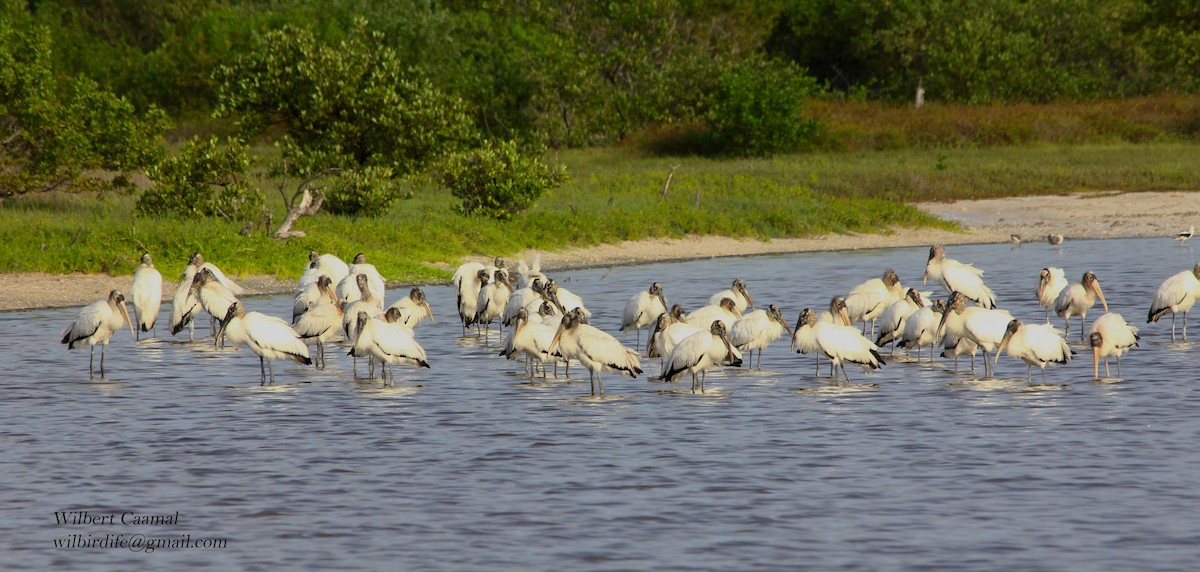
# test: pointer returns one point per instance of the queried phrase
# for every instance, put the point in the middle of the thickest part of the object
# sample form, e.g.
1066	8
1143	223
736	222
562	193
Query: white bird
1077	299
1184	235
391	343
1111	336
269	337
95	324
756	331
986	328
643	310
804	337
598	351
316	293
528	297
365	303
893	319
920	329
956	276
1034	344
493	296
725	310
531	340
697	353
322	265
1176	294
526	273
670	329
146	294
414	308
563	299
213	296
955	341
184	307
348	290
738	293
1054	240
467	285
868	300
197	263
842	344
1051	283
319	325
374	278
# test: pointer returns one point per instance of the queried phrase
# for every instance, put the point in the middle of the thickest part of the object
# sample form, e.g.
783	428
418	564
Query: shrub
369	191
208	178
497	180
755	108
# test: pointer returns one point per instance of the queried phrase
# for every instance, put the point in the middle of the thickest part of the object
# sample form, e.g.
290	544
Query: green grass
613	195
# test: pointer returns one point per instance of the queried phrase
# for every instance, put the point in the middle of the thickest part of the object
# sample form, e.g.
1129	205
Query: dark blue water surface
467	467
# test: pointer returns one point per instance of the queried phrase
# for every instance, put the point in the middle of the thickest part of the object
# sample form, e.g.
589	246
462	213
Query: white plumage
531	340
197	263
920	329
322	265
390	343
269	337
414	309
725	310
986	328
738	293
956	276
955	340
1034	344
314	294
1051	283
319	324
697	353
1176	294
1110	336
493	296
643	310
95	324
756	331
868	300
892	320
466	284
596	350
146	294
846	344
1077	299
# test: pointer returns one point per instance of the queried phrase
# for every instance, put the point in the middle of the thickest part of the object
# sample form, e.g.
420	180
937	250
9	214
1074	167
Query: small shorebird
1014	238
1183	236
1054	239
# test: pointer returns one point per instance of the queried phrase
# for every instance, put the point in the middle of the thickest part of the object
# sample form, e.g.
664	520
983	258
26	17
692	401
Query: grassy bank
613	196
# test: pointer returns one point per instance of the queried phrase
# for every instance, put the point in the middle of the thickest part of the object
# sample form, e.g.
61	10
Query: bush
208	178
755	109
497	180
369	191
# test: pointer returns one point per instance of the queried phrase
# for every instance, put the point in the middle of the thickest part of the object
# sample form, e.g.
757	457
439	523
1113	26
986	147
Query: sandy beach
1078	216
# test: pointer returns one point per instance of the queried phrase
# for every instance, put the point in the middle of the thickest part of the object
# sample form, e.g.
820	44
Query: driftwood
667	186
308	203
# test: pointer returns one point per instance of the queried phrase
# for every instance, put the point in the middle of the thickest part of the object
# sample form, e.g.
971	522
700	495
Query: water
466	467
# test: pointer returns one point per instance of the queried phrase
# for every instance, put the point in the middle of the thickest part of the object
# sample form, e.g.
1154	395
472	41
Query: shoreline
1076	216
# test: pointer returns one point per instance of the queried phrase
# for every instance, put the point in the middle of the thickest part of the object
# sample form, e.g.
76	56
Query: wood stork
564	299
95	324
213	296
348	290
414	308
986	328
467	285
319	325
920	329
725	310
146	294
1111	336
738	293
669	330
1077	299
527	273
197	263
1183	236
365	303
531	340
360	266
322	265
391	343
528	297
1176	294
955	342
1034	344
804	337
493	296
643	310
317	293
893	319
956	276
842	344
1051	283
1054	240
596	350
184	307
699	352
756	331
269	337
868	300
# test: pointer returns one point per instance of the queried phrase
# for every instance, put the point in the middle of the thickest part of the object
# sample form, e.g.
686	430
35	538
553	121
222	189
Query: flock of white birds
548	324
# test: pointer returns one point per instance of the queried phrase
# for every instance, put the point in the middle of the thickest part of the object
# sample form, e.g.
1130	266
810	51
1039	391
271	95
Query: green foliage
497	180
353	103
755	109
369	191
207	178
50	141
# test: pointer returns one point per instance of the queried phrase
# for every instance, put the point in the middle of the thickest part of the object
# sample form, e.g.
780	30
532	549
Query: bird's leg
192	331
1043	374
1118	367
1184	326
262	371
592	378
600	379
91	360
1106	367
845	373
102	351
703	377
1082	330
695	381
271	370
